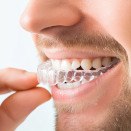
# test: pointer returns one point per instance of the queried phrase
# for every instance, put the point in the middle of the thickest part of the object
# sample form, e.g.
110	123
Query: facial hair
118	117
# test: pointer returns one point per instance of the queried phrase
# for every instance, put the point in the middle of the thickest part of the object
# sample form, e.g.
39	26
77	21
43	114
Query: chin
94	92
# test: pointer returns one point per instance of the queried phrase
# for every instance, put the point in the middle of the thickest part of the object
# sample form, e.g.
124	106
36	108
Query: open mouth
67	74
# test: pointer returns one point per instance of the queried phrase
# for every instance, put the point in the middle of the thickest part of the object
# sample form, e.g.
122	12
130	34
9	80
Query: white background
17	50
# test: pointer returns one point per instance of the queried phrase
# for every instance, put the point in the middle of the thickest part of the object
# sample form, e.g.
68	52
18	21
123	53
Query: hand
19	105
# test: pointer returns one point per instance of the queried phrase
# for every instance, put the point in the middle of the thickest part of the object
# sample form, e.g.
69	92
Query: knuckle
8	112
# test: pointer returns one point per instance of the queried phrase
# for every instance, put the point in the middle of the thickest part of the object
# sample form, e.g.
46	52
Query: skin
109	18
16	108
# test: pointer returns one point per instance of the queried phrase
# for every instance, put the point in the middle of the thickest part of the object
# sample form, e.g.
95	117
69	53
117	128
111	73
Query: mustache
81	39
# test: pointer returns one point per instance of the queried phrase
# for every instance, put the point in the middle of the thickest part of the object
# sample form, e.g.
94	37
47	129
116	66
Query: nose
41	14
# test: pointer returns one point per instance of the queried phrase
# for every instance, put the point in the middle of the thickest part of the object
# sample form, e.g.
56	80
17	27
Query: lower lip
87	88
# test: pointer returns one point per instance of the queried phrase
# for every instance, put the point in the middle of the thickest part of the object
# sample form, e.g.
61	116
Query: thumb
18	106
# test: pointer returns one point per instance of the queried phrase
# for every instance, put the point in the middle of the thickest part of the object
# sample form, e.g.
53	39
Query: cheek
108	13
115	17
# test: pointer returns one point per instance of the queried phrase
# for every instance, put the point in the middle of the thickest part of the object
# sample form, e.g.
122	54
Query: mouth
72	78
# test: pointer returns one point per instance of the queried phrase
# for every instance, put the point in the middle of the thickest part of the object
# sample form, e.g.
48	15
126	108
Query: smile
73	77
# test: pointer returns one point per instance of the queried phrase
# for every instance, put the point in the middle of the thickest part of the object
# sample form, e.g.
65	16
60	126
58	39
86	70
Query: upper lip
61	53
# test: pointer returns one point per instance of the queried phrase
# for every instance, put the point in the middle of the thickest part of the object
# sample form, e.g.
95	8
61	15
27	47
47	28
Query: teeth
64	74
84	81
70	76
77	76
75	64
56	64
96	63
69	85
106	61
86	64
65	65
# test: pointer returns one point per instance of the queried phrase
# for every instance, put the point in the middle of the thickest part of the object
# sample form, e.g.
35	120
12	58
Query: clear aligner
48	75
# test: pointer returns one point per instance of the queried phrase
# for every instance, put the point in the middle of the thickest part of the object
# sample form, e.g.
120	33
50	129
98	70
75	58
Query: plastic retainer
48	75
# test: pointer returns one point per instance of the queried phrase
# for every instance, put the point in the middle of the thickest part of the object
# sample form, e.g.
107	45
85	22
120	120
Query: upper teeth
56	64
106	61
86	64
96	63
65	65
75	64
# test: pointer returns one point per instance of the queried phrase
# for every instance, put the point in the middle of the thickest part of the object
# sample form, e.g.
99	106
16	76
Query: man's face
73	34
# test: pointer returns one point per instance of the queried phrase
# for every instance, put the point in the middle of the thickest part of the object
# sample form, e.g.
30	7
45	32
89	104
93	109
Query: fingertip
17	79
20	104
45	93
30	79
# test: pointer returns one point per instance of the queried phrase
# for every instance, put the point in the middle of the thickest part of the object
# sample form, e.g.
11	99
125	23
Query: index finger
16	79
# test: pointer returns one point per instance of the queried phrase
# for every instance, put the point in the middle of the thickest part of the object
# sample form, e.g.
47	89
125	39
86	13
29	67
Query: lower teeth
69	79
68	85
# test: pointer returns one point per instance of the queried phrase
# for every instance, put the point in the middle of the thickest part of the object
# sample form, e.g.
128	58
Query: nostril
53	29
